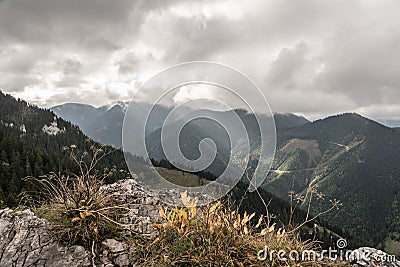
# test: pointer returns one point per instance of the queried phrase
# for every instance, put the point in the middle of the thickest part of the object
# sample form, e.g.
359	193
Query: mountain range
344	157
34	142
104	124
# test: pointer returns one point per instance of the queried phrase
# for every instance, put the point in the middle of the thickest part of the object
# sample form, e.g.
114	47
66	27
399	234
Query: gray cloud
290	61
364	66
311	57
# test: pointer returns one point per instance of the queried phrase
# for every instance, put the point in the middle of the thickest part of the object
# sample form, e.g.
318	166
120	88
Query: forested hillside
33	142
349	158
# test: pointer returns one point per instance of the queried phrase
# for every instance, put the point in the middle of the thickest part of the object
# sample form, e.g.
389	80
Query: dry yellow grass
217	236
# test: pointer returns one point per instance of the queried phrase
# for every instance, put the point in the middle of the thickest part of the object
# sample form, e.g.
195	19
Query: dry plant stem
308	214
308	219
93	255
262	200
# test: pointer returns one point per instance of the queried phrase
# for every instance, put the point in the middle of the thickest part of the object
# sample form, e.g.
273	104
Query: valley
346	157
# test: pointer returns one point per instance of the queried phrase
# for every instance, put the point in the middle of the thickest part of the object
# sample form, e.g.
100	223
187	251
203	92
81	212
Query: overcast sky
309	57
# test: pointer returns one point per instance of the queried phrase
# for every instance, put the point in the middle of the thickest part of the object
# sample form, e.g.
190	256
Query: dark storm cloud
95	24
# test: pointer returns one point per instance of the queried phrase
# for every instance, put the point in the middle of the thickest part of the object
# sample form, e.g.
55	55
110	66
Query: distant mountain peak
289	120
72	104
121	104
352	119
351	115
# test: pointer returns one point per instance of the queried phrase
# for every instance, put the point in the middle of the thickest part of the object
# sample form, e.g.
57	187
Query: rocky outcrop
25	238
115	254
25	241
143	204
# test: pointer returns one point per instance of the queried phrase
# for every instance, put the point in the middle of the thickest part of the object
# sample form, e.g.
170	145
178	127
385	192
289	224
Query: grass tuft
78	208
217	236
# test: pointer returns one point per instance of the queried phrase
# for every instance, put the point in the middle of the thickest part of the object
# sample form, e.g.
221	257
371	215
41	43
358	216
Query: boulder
25	241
